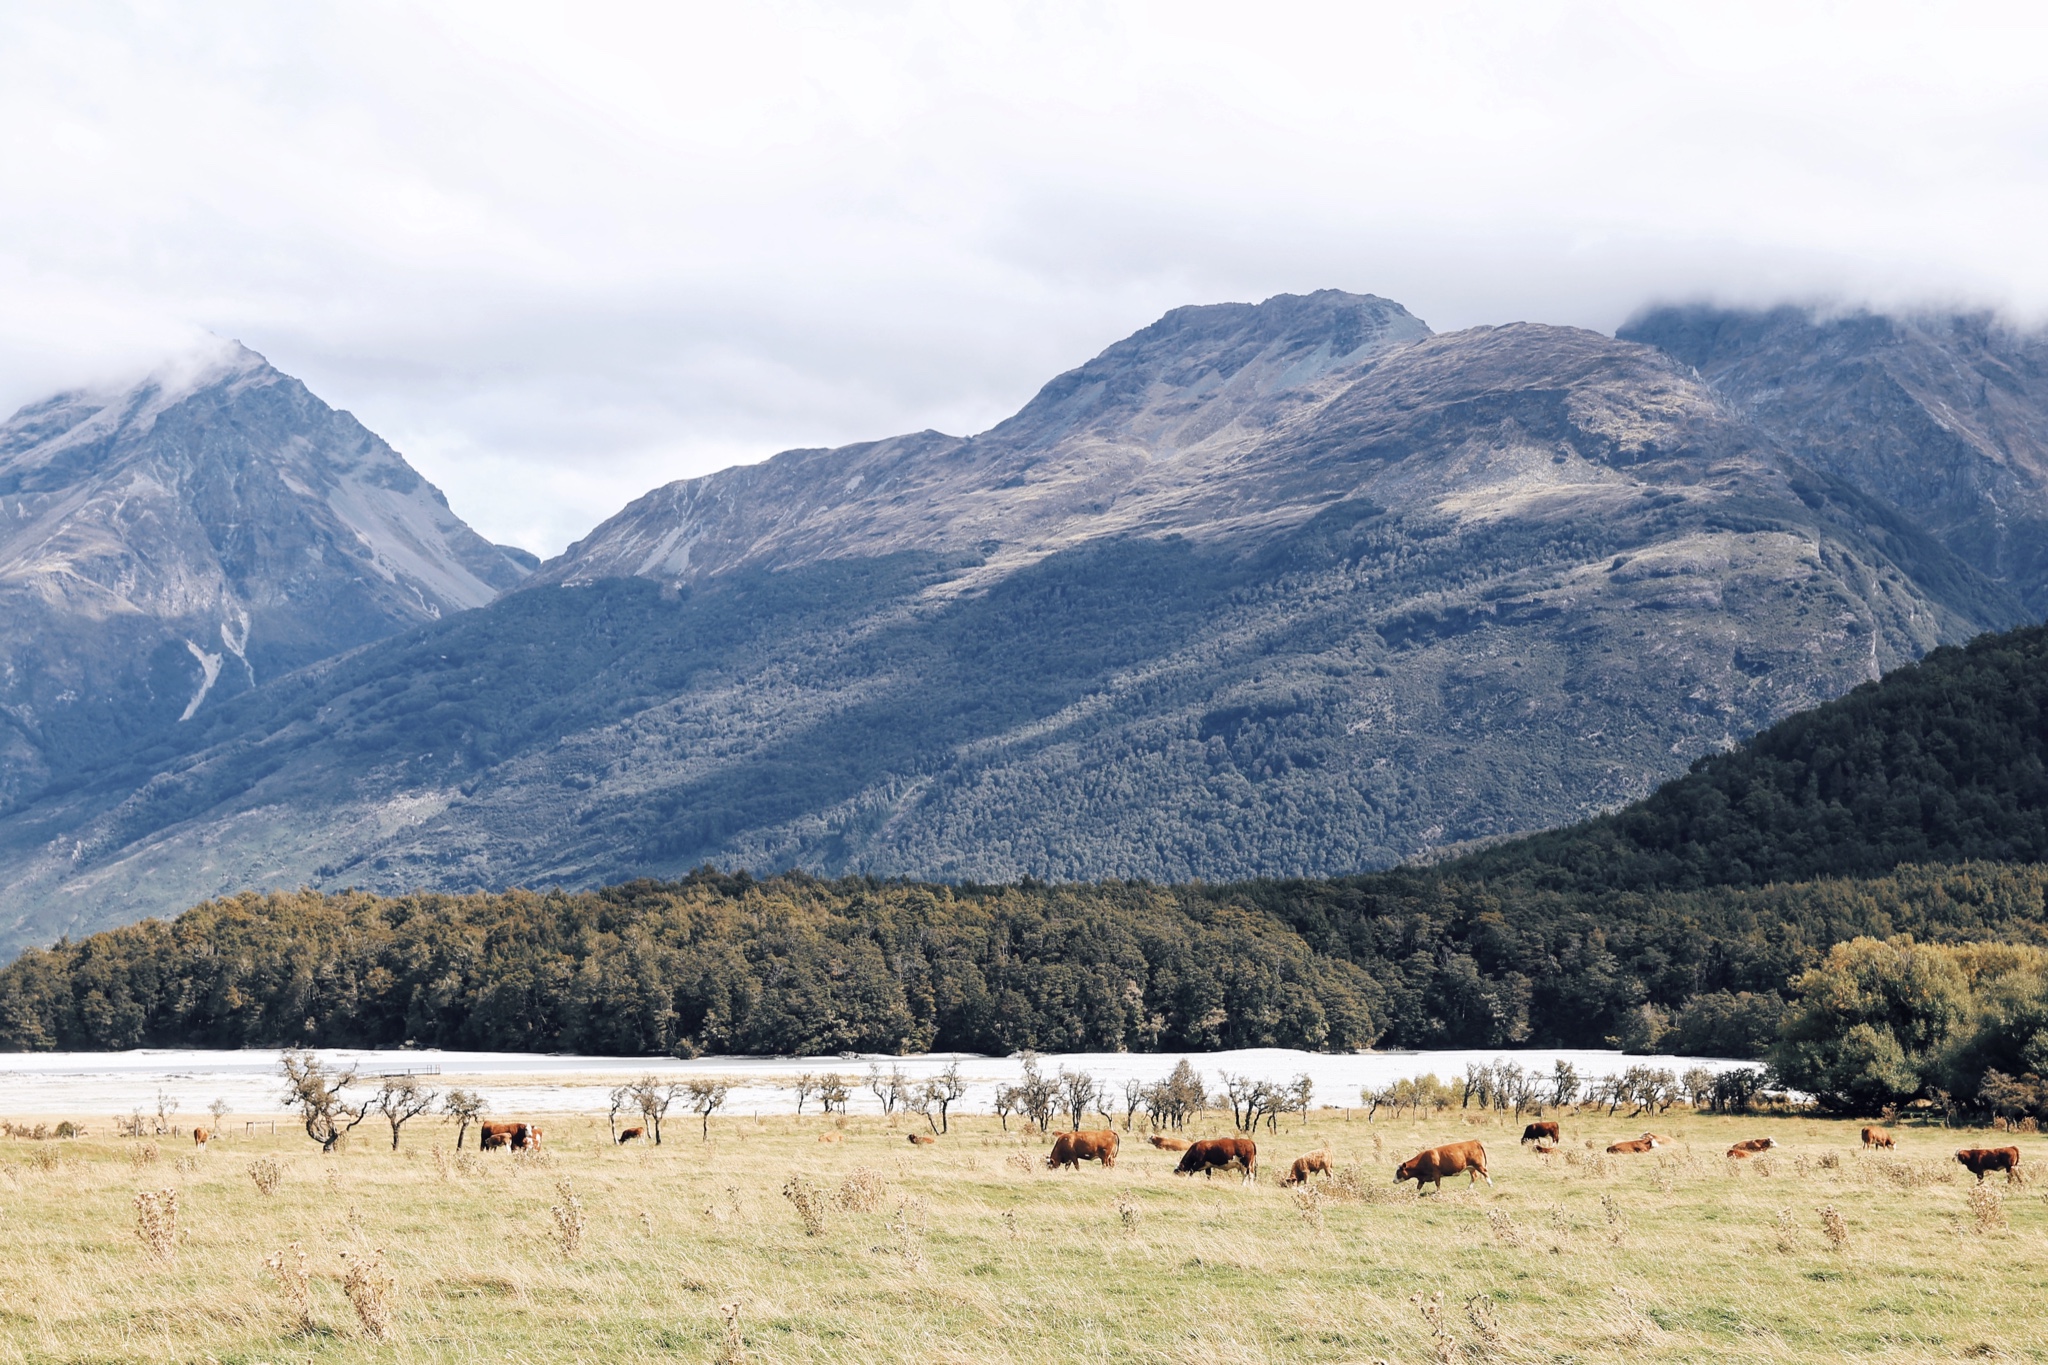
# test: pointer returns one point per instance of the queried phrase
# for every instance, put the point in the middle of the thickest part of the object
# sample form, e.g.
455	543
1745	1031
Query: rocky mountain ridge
168	546
1280	589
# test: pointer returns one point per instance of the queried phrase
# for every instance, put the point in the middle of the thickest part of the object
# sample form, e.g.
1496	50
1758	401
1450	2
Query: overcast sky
560	254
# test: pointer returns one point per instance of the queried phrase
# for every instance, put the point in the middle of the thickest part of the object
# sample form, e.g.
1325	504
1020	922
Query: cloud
560	254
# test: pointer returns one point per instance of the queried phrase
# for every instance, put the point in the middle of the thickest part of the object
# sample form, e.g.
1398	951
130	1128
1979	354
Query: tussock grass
690	1252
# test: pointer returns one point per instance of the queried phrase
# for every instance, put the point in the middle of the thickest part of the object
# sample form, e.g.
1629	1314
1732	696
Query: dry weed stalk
1440	1338
1504	1230
156	1223
368	1286
1485	1327
1802	1165
862	1191
1617	1220
646	1224
1765	1166
1831	1161
1633	1326
46	1160
267	1174
1130	1215
295	1282
1832	1226
143	1154
568	1215
186	1165
1010	1225
909	1226
809	1202
1786	1232
1987	1210
1308	1202
1560	1219
441	1163
1023	1162
733	1349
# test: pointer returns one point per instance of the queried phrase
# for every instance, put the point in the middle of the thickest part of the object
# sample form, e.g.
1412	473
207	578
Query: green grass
1688	1268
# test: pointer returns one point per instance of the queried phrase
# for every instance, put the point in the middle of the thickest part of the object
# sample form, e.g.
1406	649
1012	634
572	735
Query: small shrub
863	1191
1504	1230
1130	1215
1802	1165
909	1227
186	1164
1786	1232
267	1174
1764	1165
156	1223
1833	1228
809	1202
46	1160
1987	1210
1831	1161
1617	1220
68	1129
1024	1162
1010	1225
368	1286
1486	1331
1632	1325
288	1268
569	1219
143	1154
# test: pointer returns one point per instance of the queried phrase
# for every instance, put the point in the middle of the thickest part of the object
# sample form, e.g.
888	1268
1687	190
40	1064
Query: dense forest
792	964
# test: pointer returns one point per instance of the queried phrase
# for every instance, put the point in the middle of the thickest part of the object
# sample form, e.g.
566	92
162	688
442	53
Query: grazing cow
1982	1161
1449	1159
1071	1149
921	1139
1305	1166
830	1137
1536	1132
1633	1146
1751	1146
1167	1144
1876	1137
519	1135
200	1137
492	1141
1211	1155
629	1134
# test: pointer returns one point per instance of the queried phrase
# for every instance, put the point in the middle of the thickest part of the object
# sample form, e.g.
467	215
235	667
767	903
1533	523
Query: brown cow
628	1134
1633	1146
1168	1144
1982	1161
1660	1139
1071	1149
1876	1137
830	1137
1536	1132
921	1139
1315	1163
1449	1159
519	1135
200	1137
1211	1155
1751	1146
492	1141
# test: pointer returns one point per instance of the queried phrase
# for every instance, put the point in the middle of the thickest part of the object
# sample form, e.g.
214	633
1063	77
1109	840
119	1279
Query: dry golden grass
958	1252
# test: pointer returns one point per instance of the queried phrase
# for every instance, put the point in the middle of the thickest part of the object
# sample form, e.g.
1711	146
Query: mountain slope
1284	589
164	548
1942	416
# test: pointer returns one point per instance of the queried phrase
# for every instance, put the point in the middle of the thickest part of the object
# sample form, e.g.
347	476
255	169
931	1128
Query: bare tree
316	1093
832	1092
1076	1094
707	1097
1134	1095
465	1107
805	1086
220	1109
1036	1096
401	1099
653	1099
1250	1100
1008	1100
1564	1084
1299	1094
621	1096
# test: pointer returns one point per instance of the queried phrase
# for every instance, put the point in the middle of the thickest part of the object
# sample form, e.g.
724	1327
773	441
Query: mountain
167	547
1283	589
1945	415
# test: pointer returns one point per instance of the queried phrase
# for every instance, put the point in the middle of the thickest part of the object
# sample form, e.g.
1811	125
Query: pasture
768	1245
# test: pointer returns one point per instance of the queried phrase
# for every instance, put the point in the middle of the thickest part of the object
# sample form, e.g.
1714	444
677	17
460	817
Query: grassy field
970	1250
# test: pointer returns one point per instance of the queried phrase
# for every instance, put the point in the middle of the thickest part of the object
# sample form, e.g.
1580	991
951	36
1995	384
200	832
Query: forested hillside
1940	761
